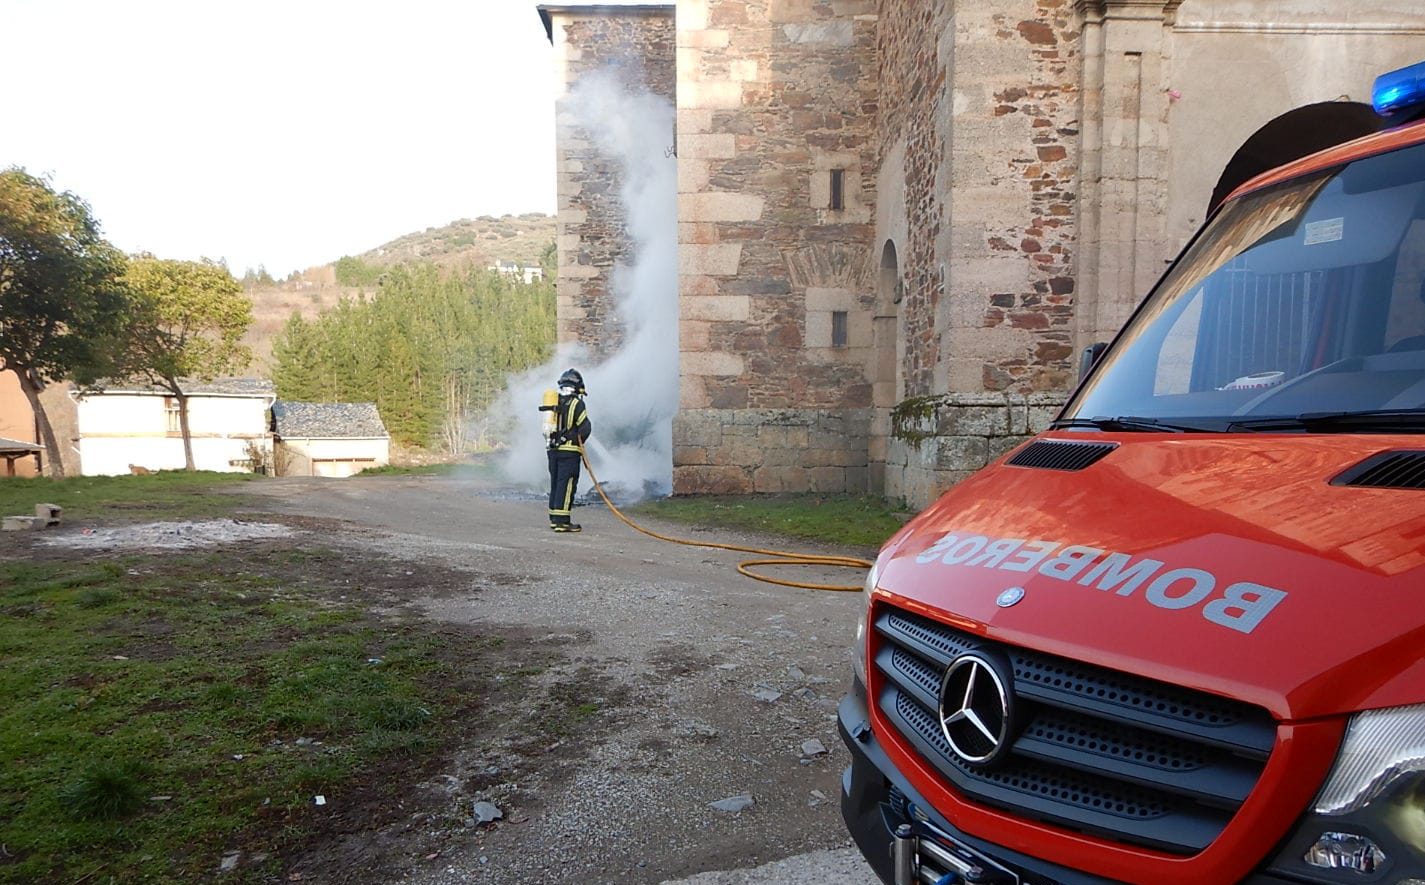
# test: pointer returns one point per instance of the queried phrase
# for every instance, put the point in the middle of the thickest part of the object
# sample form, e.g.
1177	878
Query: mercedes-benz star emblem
975	709
1009	597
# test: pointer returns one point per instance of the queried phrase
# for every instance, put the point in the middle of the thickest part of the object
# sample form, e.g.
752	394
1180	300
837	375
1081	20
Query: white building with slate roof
329	439
126	428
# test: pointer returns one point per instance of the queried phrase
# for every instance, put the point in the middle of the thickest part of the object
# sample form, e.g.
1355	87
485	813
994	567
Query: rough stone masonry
904	214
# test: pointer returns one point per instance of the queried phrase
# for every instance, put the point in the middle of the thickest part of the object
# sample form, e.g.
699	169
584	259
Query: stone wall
1126	45
913	127
775	98
914	48
977	139
937	441
772	450
979	115
1017	173
1014	184
638	43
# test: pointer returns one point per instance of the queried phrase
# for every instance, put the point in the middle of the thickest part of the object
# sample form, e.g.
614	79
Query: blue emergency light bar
1399	90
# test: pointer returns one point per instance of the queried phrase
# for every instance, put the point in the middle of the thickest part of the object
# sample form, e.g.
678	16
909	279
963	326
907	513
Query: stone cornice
1140	10
1298	28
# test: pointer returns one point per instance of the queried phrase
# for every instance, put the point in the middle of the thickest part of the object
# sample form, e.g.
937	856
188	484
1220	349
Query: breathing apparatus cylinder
550	408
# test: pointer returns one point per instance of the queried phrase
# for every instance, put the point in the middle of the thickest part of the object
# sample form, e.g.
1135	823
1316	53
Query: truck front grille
1094	750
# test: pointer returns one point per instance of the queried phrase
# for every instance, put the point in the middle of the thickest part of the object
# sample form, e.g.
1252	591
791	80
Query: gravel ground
705	687
814	868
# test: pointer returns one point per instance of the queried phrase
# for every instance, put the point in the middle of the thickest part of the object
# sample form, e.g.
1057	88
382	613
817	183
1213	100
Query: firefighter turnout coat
565	447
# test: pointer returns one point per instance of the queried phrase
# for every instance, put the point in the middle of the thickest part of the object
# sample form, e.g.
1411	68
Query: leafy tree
185	323
59	290
549	260
356	272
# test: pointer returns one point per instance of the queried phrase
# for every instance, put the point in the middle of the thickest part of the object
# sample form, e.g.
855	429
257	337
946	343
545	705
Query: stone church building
901	221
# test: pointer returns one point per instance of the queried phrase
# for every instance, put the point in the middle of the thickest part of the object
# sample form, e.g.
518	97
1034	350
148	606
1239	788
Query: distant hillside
272	305
479	241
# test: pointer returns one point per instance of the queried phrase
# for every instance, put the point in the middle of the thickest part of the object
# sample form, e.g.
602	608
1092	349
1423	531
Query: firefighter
566	444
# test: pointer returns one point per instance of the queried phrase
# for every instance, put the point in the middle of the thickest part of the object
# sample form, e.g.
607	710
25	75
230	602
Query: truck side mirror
1089	357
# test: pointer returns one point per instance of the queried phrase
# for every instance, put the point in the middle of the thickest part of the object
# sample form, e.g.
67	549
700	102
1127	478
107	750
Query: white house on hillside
329	439
513	269
134	426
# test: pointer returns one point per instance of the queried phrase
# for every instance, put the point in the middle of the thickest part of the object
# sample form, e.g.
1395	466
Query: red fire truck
1179	638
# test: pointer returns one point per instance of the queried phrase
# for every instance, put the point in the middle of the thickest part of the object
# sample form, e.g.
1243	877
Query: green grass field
470	470
154	706
153	703
171	493
853	520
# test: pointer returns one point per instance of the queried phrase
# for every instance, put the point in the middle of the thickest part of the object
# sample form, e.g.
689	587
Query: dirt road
689	685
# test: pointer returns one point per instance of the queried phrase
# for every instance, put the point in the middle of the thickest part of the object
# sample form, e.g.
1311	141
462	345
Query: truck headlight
1368	822
871	577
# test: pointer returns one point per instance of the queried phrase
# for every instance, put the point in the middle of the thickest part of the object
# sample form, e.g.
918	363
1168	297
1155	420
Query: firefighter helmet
572	378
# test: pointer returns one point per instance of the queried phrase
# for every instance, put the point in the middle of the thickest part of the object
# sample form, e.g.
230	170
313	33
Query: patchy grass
104	791
466	469
483	465
153	711
170	493
854	520
412	470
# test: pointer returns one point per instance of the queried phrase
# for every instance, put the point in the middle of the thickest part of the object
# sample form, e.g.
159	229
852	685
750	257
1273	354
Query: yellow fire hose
782	557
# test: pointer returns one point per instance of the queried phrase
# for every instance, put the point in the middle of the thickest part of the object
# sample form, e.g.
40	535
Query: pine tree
431	348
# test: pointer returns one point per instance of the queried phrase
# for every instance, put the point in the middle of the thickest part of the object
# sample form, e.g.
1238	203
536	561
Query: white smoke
633	394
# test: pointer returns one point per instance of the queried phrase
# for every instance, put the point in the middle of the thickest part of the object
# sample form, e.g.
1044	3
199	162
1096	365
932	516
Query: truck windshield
1300	307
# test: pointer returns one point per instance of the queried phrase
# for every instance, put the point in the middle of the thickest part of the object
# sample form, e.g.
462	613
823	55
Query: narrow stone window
838	189
838	328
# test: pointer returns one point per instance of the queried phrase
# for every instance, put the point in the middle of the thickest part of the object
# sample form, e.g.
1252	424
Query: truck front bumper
877	801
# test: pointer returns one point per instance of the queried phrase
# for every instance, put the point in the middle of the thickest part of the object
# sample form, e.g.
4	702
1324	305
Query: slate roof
327	420
254	387
15	445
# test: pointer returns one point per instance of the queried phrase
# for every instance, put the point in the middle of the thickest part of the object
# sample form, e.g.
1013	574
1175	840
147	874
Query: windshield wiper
1370	421
1129	423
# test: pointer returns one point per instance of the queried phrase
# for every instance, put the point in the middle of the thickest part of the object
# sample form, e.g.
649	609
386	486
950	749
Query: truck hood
1227	563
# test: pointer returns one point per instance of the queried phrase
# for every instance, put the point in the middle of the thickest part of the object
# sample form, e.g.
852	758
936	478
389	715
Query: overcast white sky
280	132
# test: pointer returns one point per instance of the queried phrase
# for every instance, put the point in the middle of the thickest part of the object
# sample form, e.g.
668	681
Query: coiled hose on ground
776	558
